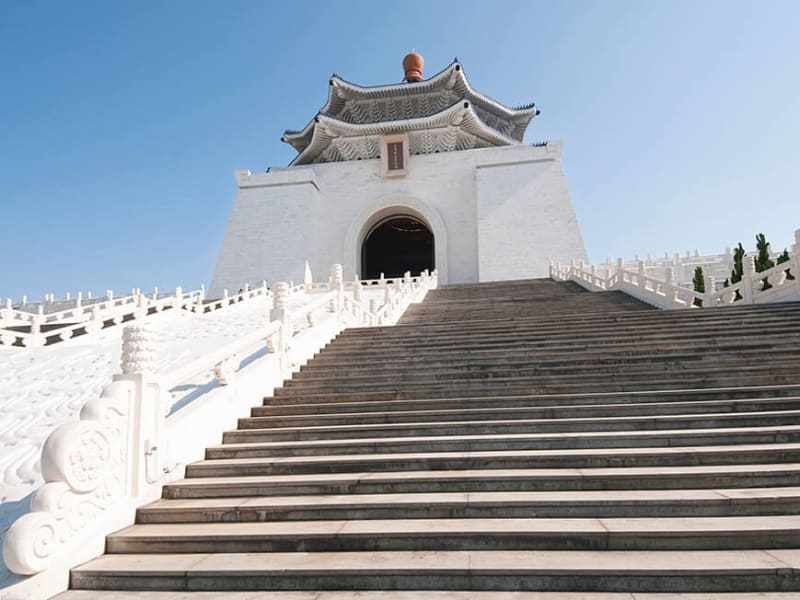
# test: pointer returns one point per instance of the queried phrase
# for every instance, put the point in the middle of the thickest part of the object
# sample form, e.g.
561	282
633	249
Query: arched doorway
395	245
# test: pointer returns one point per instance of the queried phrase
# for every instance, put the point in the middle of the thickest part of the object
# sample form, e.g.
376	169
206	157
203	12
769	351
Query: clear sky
121	123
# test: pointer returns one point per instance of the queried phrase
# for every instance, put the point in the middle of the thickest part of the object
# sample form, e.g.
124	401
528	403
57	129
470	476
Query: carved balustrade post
178	297
141	306
147	416
620	271
280	312
37	338
308	279
640	273
95	324
357	289
710	285
335	277
387	294
749	279
138	351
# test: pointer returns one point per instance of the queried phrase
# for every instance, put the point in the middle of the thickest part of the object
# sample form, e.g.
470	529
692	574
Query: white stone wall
525	218
496	213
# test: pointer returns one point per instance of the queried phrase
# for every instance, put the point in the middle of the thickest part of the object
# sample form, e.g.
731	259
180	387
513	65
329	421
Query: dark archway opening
396	245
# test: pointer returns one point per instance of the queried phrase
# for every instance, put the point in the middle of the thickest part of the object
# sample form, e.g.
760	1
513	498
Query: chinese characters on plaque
395	152
394	155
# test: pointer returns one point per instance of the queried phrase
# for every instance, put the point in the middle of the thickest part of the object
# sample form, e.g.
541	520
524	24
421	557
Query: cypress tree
699	283
763	261
738	269
784	257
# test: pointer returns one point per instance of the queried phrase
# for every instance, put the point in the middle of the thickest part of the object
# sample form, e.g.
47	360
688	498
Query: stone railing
780	283
131	439
92	316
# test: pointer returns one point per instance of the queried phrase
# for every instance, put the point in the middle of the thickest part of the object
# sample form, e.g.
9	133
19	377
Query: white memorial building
427	173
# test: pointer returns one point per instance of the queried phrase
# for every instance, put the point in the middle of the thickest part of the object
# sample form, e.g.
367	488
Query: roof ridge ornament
413	63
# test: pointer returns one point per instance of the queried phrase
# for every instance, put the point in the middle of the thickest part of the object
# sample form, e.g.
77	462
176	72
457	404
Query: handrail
778	283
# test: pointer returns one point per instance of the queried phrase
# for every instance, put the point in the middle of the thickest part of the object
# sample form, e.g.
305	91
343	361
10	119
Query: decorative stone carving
83	464
280	303
138	349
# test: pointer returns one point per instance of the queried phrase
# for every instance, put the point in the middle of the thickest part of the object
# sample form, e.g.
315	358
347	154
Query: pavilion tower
426	173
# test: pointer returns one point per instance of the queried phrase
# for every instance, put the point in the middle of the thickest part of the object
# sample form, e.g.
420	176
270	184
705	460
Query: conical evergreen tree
784	257
763	261
738	269
699	283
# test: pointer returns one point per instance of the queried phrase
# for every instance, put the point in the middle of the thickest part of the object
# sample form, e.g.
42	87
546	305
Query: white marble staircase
525	441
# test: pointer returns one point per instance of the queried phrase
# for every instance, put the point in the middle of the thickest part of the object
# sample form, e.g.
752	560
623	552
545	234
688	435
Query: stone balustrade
780	283
128	442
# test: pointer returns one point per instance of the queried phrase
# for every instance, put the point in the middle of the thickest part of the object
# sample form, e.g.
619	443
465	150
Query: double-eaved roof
440	114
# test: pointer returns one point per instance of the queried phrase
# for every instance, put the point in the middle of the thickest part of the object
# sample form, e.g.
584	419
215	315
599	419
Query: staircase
515	437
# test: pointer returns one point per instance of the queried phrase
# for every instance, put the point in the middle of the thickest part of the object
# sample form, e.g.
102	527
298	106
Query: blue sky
121	123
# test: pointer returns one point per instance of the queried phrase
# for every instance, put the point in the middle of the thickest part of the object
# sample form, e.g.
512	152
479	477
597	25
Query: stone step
514	366
266	446
520	459
648	420
645	533
578	312
594	391
595	380
574	361
564	355
476	389
495	480
500	404
418	595
581	321
699	425
427	312
595	571
338	414
722	323
364	399
611	335
512	363
478	505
